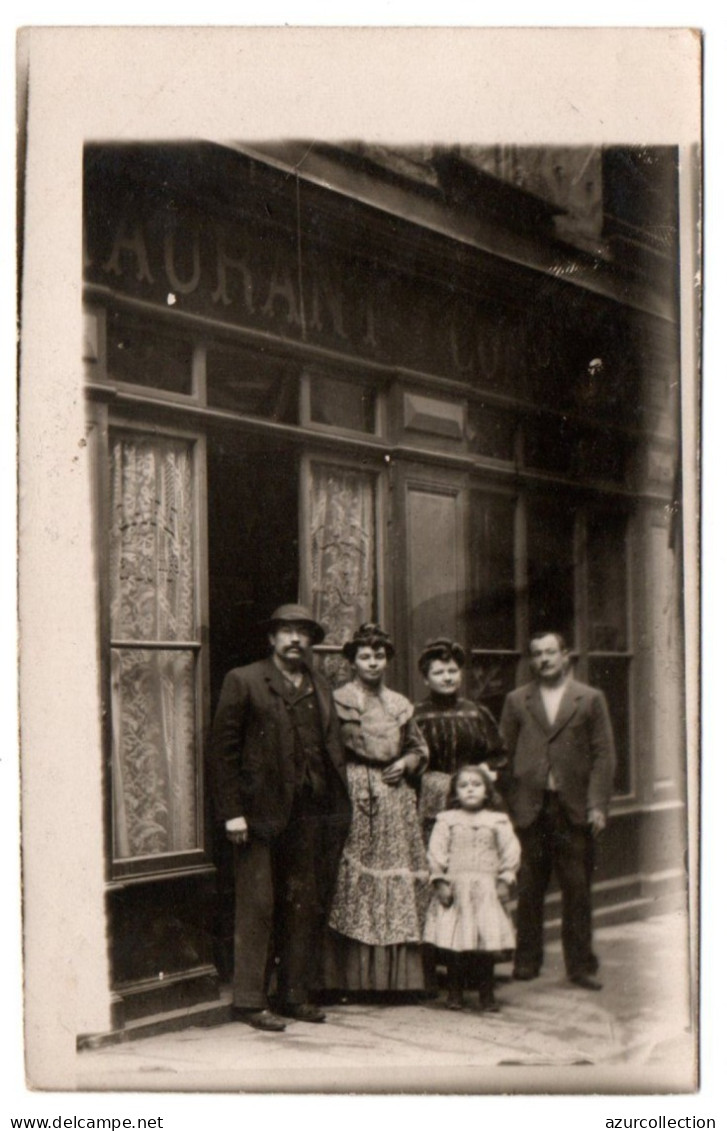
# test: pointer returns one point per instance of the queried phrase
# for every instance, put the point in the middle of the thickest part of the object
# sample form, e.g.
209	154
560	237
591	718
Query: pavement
634	1036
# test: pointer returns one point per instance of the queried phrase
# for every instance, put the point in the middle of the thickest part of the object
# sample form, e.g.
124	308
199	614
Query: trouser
279	911
554	843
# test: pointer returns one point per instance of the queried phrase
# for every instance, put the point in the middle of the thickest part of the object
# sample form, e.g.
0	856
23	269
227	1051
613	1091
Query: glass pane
490	680
611	675
342	404
551	572
151	539
154	762
143	354
250	382
491	609
343	559
607	588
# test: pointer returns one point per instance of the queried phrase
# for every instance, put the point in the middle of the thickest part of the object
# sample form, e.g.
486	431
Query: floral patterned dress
472	851
381	894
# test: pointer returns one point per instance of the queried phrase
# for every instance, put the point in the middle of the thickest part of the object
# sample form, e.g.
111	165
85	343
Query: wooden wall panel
435	561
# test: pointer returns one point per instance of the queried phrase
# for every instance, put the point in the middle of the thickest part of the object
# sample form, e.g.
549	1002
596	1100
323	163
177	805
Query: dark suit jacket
252	756
578	747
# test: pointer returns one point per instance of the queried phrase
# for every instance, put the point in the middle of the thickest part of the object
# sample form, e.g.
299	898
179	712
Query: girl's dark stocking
486	972
455	980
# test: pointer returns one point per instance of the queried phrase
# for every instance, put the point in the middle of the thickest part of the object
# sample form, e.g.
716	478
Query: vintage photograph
389	776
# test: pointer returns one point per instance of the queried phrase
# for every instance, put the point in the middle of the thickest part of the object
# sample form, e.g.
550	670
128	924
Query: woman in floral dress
381	893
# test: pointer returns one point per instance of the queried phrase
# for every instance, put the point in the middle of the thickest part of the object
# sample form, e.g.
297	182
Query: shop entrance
252	491
253	563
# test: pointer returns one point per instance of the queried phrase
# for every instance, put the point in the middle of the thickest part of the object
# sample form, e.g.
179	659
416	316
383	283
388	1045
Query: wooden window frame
174	863
306	420
198	371
627	655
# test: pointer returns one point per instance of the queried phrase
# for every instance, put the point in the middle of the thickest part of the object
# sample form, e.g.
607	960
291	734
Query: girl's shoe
488	1004
455	1000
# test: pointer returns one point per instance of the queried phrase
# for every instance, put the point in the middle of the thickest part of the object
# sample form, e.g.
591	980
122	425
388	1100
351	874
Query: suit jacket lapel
536	707
567	708
274	678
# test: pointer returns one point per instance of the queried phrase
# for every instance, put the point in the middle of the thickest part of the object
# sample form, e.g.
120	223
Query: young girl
473	858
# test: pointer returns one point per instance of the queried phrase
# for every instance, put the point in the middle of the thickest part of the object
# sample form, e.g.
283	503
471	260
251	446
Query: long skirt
382	890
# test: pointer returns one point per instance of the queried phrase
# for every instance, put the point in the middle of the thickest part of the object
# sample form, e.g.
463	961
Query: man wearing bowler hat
280	788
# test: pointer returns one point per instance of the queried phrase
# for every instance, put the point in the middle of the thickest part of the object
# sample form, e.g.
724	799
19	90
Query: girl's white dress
472	851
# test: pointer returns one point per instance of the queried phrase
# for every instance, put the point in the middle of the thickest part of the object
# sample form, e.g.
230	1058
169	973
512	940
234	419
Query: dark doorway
252	491
252	547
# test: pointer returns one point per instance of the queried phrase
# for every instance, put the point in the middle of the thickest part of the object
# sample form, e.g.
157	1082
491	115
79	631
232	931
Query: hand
443	892
503	891
394	772
237	830
597	821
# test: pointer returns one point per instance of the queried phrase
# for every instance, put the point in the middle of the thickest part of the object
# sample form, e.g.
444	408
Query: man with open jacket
280	789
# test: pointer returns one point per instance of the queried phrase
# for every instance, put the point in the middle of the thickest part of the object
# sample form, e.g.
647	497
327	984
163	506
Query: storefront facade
389	391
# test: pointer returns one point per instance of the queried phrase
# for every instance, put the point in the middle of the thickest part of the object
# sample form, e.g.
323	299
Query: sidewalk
633	1036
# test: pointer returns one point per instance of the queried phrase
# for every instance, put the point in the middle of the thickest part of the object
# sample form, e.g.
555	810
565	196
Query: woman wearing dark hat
381	891
458	732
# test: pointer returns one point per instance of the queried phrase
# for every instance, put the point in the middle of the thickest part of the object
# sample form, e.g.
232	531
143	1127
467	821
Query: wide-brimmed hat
439	648
296	614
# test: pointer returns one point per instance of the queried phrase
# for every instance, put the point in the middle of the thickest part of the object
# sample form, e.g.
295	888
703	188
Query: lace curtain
343	571
152	688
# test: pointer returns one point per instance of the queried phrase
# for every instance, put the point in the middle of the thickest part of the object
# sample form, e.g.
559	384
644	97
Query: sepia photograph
362	449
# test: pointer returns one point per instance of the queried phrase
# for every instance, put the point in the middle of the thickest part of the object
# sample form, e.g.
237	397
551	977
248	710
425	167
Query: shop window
154	647
140	353
333	403
492	676
550	567
491	606
612	675
252	383
607	583
607	627
341	520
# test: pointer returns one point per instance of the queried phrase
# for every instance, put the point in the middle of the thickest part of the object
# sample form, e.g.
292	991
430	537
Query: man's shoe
525	973
455	1000
304	1011
586	981
263	1019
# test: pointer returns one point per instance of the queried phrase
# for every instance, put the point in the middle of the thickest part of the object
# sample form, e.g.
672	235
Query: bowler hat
297	614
